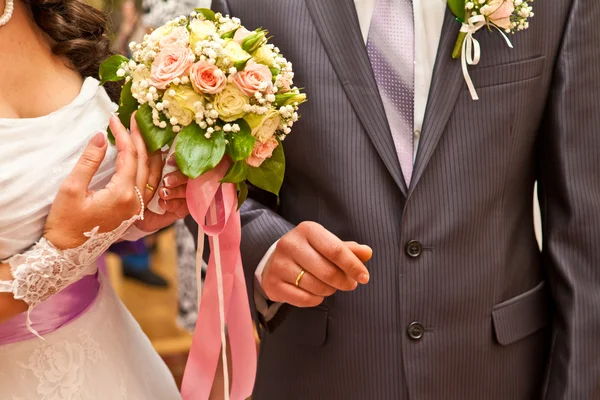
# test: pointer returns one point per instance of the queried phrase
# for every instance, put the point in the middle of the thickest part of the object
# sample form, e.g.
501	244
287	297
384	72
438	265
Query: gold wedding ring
299	277
149	187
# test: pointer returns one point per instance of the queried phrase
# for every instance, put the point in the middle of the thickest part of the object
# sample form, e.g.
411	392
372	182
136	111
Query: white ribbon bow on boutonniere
506	16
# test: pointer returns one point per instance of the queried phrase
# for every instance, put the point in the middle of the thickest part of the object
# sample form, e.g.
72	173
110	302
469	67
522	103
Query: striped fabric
499	319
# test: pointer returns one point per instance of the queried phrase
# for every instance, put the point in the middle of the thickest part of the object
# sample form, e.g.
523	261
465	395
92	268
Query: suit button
415	331
414	249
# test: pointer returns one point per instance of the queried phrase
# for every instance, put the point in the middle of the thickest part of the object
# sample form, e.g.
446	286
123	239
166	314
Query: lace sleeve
44	270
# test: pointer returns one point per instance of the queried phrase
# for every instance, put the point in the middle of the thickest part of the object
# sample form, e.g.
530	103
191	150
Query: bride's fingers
176	207
177	192
143	160
174	179
155	172
126	164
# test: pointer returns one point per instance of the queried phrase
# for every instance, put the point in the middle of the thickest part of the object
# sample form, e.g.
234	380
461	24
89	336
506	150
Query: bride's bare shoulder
34	81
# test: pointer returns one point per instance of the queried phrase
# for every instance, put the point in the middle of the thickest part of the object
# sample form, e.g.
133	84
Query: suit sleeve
569	166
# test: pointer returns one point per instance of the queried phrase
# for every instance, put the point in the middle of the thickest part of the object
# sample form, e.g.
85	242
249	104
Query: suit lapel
446	85
338	27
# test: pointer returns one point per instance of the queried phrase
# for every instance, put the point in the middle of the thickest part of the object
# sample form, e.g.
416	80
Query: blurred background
155	276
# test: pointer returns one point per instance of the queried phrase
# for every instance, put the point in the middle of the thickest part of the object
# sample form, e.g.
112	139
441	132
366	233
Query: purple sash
53	313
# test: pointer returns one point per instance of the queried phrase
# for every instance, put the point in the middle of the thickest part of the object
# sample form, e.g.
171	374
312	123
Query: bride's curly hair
78	32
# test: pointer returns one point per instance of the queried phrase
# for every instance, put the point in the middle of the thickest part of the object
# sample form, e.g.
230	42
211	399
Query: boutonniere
505	16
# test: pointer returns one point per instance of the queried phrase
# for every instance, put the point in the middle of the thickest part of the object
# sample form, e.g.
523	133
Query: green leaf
237	173
285	99
195	154
155	137
274	71
108	69
241	143
229	35
111	136
207	12
127	105
240	65
269	176
243	193
252	42
458	8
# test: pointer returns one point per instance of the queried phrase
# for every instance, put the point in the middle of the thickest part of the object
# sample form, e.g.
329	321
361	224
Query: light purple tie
391	49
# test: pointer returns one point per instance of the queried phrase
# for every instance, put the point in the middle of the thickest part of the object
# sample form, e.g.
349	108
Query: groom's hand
329	264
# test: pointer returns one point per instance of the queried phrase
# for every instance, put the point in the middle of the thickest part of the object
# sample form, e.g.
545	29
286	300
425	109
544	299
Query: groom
393	152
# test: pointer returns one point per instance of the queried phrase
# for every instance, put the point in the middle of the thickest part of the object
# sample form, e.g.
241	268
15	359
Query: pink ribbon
205	195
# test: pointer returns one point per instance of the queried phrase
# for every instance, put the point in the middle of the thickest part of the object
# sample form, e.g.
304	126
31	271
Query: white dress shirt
429	18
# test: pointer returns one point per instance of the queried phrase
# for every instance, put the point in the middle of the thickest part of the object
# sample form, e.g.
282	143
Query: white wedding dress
102	354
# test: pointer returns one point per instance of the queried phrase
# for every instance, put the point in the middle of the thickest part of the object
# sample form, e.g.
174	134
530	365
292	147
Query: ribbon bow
225	301
471	49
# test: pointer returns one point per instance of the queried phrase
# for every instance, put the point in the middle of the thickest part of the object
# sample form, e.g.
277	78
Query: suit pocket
305	326
510	73
522	315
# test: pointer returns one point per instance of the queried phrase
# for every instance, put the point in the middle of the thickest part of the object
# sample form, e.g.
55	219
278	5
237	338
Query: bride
64	334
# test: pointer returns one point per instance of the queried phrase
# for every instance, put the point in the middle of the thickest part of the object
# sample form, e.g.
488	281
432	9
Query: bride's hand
172	196
77	210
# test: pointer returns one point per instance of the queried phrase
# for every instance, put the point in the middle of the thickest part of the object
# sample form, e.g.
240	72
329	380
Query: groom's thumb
88	164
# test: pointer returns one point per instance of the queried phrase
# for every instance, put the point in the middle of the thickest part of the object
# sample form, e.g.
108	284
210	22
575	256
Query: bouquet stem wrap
224	303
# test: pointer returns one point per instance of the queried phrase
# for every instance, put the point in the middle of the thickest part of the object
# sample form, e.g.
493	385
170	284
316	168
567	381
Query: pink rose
501	15
261	152
241	34
249	80
207	78
179	35
172	62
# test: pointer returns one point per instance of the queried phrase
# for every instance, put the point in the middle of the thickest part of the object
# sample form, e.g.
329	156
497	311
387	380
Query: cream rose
172	62
499	12
230	103
158	33
264	126
178	35
234	52
200	30
181	104
207	78
261	152
254	78
264	55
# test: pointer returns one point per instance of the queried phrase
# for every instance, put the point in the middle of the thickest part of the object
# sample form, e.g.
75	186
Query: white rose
181	105
200	30
265	56
230	103
234	52
163	31
264	126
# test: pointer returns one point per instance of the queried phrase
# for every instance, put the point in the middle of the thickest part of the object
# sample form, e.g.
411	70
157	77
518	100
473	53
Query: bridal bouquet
223	91
221	99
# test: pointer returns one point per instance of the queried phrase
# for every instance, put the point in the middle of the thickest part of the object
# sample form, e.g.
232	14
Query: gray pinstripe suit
500	320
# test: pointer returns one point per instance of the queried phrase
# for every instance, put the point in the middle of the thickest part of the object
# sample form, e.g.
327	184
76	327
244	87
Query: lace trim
43	270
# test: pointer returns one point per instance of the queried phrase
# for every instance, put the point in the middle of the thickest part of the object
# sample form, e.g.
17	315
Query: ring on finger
299	278
150	187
